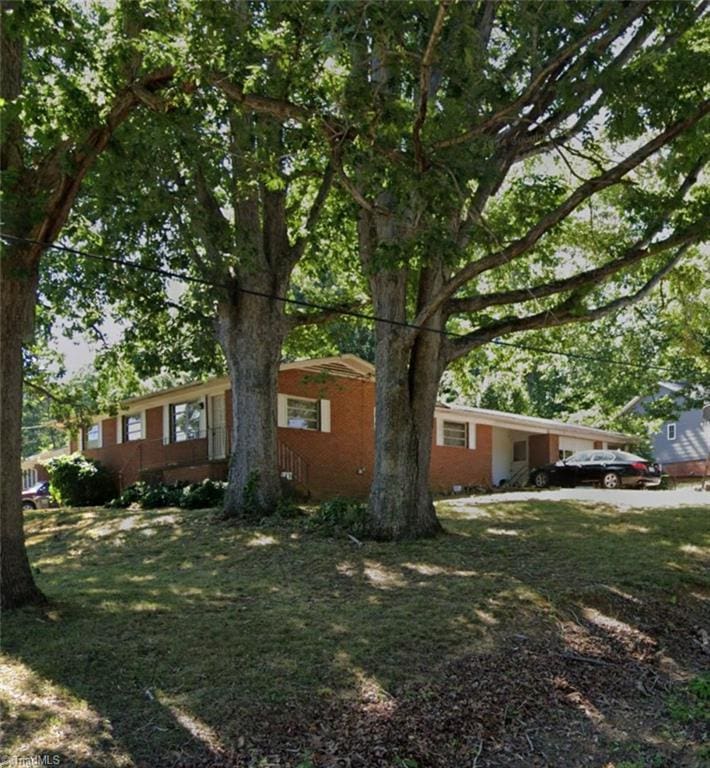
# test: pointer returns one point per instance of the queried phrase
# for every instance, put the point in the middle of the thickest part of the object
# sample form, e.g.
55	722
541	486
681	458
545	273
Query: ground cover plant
536	633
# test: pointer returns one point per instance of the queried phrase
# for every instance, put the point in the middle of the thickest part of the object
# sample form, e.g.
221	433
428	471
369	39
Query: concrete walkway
623	499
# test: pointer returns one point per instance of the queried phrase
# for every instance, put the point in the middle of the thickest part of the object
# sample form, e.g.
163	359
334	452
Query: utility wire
321	307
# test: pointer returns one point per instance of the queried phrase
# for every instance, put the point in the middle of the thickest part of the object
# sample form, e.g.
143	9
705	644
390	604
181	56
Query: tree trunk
251	331
17	304
400	500
408	373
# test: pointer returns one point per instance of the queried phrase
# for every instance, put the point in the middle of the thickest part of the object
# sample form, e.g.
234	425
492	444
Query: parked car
37	496
609	469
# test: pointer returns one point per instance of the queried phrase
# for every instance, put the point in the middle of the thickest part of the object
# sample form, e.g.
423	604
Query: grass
169	628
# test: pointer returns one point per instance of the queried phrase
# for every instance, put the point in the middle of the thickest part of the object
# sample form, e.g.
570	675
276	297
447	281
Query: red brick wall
686	468
543	449
340	461
462	466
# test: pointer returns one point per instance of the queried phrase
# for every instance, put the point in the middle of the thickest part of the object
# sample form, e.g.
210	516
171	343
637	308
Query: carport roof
536	424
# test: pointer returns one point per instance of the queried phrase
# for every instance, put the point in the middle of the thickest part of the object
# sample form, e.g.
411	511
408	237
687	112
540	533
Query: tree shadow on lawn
181	634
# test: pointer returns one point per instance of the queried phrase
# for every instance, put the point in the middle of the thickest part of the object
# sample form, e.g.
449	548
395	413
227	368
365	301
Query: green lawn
174	637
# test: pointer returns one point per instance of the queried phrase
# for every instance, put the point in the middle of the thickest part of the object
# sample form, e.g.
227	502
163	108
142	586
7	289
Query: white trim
671	427
530	424
325	415
282	418
166	423
472	435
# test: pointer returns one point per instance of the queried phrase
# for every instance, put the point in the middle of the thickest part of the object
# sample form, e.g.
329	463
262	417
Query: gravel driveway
624	498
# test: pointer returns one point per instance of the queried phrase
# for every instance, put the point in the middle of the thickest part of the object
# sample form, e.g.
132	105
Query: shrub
162	495
208	493
341	515
133	494
77	480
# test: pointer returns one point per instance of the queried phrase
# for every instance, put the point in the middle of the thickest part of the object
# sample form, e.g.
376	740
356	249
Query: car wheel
611	480
28	505
541	480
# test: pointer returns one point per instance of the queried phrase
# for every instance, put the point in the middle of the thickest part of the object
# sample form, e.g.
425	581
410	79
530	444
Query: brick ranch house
326	420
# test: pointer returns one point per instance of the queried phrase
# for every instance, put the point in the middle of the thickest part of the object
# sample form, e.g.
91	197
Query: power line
321	307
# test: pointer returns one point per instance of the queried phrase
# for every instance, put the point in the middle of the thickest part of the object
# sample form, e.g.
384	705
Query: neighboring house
326	419
33	470
682	445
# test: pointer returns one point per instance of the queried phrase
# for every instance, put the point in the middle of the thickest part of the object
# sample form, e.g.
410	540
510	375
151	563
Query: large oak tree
57	119
465	224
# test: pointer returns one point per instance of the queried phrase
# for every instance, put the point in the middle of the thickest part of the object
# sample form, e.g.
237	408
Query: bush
341	515
78	481
208	493
130	495
162	495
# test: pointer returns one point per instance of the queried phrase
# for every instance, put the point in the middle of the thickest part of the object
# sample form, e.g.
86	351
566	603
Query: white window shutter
282	411
166	424
325	415
119	429
439	428
81	439
471	435
143	427
101	434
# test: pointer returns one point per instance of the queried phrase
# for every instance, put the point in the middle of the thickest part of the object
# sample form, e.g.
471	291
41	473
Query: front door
217	428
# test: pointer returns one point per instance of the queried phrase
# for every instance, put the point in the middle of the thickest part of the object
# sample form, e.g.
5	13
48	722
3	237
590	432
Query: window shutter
325	415
282	412
80	438
471	435
439	429
166	424
203	417
119	430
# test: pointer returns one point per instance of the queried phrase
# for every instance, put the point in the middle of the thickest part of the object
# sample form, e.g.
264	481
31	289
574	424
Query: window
670	431
29	478
456	434
132	428
602	457
302	414
565	454
520	450
93	436
185	421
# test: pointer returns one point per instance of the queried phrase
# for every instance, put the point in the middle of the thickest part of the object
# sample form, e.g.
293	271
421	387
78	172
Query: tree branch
424	85
353	309
565	313
315	211
554	217
535	85
632	256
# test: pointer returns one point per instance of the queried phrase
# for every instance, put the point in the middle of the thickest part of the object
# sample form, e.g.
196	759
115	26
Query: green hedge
208	493
78	481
